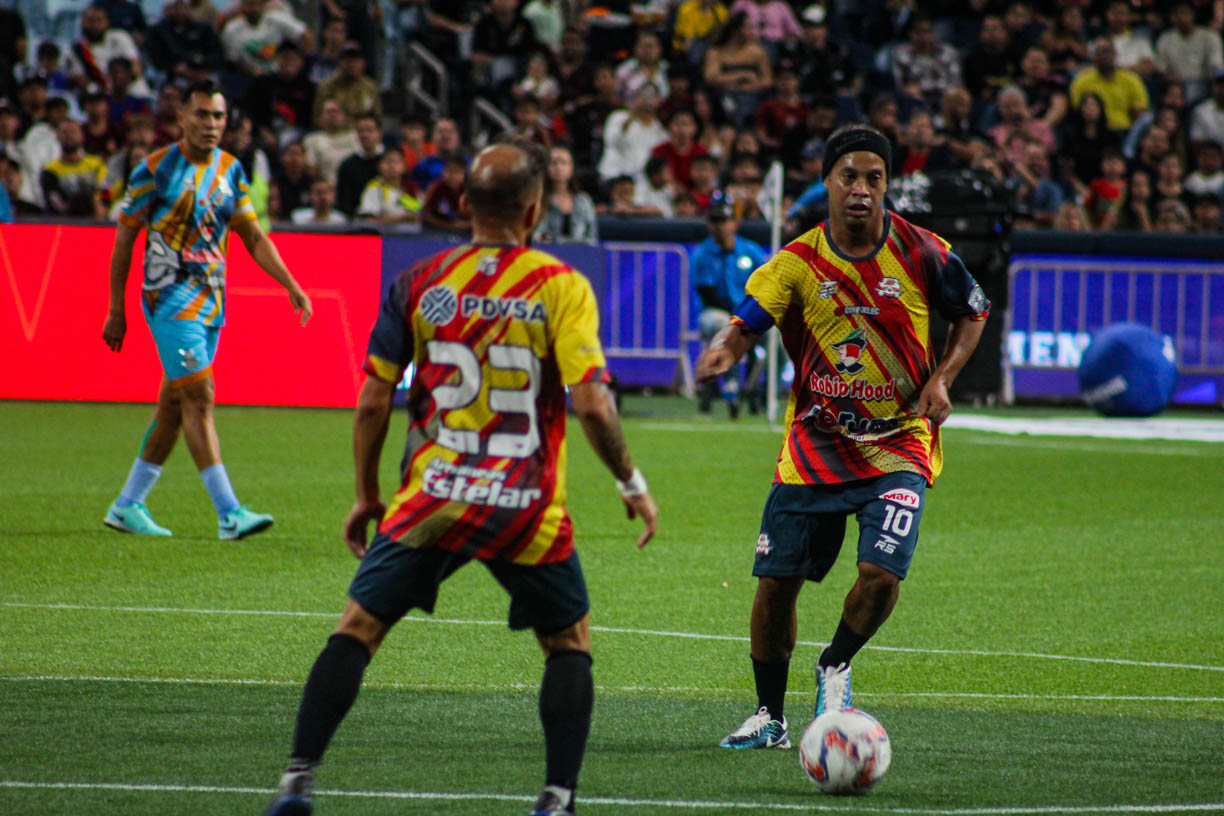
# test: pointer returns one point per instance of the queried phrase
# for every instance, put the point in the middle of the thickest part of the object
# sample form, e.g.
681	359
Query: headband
849	141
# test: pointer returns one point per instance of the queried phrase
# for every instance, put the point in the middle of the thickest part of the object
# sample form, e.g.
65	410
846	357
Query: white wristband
635	485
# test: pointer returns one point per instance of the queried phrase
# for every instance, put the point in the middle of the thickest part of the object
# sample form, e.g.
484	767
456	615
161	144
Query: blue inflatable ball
1128	370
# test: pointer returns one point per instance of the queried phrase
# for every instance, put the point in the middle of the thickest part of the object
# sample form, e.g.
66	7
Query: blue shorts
187	349
393	579
803	525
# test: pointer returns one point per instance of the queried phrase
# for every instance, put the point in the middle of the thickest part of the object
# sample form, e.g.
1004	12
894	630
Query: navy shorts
393	579
803	525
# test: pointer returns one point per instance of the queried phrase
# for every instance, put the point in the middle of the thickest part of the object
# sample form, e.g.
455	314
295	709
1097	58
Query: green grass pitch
1058	647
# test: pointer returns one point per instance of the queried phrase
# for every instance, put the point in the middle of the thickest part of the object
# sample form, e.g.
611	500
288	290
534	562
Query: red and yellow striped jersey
858	332
495	334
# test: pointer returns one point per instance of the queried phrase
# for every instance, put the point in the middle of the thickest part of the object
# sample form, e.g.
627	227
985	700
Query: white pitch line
617	801
1116	661
713	690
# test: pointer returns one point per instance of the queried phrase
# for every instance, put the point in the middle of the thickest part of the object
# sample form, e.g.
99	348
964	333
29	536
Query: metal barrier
647	315
1057	302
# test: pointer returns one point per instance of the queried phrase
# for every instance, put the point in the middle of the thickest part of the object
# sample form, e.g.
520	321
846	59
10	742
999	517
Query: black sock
567	695
330	691
770	676
846	644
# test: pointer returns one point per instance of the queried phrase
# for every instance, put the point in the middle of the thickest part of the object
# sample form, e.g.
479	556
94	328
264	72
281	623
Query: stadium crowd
1094	114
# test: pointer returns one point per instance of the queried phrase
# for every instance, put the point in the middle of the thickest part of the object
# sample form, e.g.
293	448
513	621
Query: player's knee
573	638
360	625
877	583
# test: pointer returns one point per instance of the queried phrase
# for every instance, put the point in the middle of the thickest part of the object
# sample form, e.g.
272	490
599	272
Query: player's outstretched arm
268	257
933	402
596	410
115	328
726	349
370	420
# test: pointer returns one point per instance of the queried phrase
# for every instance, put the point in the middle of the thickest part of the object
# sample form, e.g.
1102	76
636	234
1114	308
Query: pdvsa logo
906	498
439	306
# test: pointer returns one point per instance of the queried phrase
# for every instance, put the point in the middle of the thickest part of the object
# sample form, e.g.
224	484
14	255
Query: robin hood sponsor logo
837	388
849	351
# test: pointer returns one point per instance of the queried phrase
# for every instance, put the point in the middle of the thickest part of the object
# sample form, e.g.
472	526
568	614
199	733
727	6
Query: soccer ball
1128	370
845	751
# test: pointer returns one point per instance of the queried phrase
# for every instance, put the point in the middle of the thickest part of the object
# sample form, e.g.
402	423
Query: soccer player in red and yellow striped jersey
495	332
852	300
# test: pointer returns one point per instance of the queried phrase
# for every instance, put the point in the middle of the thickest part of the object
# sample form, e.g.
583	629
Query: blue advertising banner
1058	301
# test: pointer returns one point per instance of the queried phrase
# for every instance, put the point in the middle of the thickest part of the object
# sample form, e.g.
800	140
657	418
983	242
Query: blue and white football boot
241	522
758	731
134	518
832	688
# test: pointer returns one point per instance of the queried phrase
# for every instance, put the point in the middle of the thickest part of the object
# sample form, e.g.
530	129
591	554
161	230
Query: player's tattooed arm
596	411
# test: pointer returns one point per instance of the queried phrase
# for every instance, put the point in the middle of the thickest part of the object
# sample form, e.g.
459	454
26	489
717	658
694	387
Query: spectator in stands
882	114
292	179
361	20
775	24
1046	92
1169	178
202	11
501	43
1039	195
1066	42
745	178
1134	48
124	101
1174	96
102	137
165	114
704	172
12	50
72	185
816	127
119	171
918	152
442	209
621	198
696	22
176	39
537	81
361	167
1023	28
126	15
547	22
655	193
284	99
1088	136
645	67
447	147
738	68
1017	128
42	143
1106	191
714	130
1072	218
414	144
825	66
1153	147
249	40
1208	175
569	213
383	199
1172	216
1188	53
50	65
1137	212
990	66
679	93
529	122
630	135
784	112
99	44
684	205
446	22
575	72
356	92
585	117
681	147
325	62
922	67
1121	90
31	102
1205	214
320	212
1207	118
332	144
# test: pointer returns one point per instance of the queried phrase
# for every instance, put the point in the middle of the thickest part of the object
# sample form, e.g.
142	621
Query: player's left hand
114	330
933	402
357	524
301	304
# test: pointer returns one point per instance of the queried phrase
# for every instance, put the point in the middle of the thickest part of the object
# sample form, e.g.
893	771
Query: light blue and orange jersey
859	333
188	209
494	335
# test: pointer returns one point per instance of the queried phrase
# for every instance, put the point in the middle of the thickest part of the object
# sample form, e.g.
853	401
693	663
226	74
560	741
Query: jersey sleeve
389	350
244	210
956	294
767	294
138	200
575	329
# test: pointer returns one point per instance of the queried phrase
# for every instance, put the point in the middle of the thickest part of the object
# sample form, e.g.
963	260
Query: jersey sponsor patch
492	308
849	351
828	289
889	288
857	389
764	546
903	497
470	485
439	306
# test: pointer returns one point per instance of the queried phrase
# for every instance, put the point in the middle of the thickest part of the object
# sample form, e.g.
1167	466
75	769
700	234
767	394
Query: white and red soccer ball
845	751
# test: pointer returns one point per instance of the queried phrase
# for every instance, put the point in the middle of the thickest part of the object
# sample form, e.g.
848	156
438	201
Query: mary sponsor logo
906	498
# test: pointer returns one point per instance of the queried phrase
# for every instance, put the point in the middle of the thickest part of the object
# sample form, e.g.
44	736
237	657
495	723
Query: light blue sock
216	480
140	481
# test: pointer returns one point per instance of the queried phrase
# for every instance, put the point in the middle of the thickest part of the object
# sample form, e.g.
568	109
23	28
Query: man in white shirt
1188	53
326	148
249	41
87	60
322	199
1134	48
629	135
1207	120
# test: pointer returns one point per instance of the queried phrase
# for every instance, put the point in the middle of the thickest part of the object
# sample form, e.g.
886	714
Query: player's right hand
357	524
644	506
714	361
114	330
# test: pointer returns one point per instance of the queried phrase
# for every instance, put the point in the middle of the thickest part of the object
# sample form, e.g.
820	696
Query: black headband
849	141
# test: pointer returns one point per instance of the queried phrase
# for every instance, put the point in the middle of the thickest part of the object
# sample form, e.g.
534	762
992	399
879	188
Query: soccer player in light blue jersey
189	194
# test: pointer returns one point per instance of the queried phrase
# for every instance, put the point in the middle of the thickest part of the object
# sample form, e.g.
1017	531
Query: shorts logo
849	351
439	306
190	362
906	498
887	543
889	288
763	545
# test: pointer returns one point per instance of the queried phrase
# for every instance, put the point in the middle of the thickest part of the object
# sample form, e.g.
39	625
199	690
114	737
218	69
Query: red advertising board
54	294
